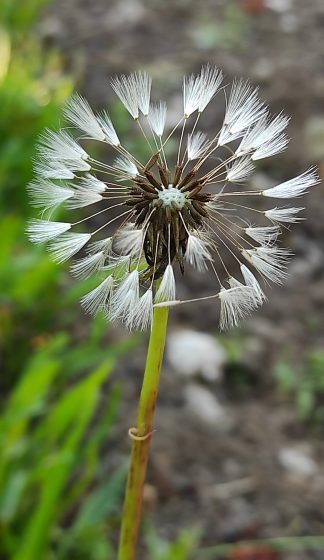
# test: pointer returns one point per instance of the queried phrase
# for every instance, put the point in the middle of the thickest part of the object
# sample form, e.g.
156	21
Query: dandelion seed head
138	220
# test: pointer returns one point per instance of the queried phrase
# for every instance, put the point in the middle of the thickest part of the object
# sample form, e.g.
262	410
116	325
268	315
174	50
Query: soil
227	480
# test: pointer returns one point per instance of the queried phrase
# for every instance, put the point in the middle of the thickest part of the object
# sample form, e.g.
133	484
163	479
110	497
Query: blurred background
238	453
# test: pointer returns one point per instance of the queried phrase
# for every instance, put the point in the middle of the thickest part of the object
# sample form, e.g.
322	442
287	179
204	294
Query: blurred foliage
53	493
56	499
229	33
32	90
181	549
305	386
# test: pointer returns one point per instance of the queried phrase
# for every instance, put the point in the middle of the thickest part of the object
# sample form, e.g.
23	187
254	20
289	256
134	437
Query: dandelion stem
141	437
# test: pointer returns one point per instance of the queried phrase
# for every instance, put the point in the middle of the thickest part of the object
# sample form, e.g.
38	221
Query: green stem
142	437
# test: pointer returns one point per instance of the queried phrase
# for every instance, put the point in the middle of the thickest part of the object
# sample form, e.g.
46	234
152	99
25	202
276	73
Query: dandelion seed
141	317
88	265
79	113
263	235
236	303
82	197
97	299
157	117
67	245
125	165
40	231
197	144
294	187
197	252
134	92
108	129
152	216
167	287
284	215
240	170
46	194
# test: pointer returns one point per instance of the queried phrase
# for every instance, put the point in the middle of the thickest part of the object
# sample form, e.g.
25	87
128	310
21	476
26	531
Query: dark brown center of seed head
167	218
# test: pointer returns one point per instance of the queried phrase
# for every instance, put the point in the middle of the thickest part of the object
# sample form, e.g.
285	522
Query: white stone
191	352
297	461
204	405
279	5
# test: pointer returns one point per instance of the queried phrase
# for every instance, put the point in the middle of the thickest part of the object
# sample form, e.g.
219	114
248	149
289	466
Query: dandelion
163	215
145	219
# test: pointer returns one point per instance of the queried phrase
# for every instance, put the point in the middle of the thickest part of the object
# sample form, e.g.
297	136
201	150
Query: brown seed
177	175
163	175
145	186
191	186
150	177
187	178
199	208
152	161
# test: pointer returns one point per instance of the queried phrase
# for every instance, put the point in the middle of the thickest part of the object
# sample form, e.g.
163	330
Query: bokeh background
238	454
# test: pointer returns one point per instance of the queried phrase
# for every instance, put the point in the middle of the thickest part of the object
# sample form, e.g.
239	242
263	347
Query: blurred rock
289	23
279	5
204	405
191	352
297	460
314	137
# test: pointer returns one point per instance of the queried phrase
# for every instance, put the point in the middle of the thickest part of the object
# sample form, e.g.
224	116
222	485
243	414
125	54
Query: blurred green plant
228	33
305	386
54	494
32	90
181	549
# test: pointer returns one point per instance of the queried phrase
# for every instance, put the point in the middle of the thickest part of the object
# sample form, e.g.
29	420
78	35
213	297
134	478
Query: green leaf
101	503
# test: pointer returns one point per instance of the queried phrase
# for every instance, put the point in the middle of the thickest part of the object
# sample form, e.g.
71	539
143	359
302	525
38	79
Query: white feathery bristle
251	138
83	197
68	245
79	113
141	317
125	297
167	287
129	240
39	231
253	294
265	137
243	109
240	170
197	253
294	187
53	169
83	268
199	90
271	140
157	117
45	194
97	299
104	245
250	280
124	164
190	95
120	262
61	146
197	144
269	261
236	303
271	148
284	215
92	183
108	129
263	235
209	80
134	91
